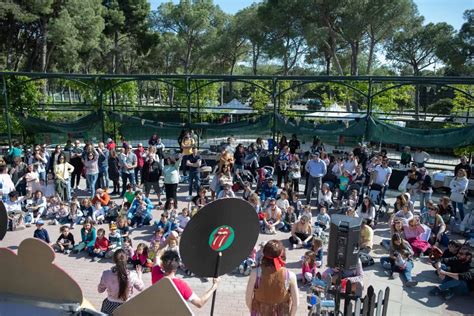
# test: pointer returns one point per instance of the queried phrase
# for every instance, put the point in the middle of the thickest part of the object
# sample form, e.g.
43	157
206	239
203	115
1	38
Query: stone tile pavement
231	292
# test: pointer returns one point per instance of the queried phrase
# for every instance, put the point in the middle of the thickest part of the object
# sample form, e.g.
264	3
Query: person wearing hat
41	232
272	289
128	162
316	169
110	144
169	264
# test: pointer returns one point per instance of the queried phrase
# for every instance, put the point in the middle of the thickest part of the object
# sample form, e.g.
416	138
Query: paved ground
231	293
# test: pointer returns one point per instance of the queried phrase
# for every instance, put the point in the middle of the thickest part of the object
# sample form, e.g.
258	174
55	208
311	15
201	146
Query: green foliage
464	151
461	101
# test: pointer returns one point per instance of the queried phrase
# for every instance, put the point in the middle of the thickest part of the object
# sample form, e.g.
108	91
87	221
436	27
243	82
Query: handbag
402	187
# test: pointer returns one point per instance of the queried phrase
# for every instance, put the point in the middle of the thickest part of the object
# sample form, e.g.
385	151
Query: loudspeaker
343	246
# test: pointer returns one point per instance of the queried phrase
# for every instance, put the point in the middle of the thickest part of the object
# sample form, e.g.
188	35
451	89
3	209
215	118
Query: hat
40	222
109	140
112	225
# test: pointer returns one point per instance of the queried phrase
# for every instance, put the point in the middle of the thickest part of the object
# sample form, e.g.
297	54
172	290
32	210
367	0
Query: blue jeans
458	287
104	179
91	180
424	197
194	179
127	177
406	272
460	206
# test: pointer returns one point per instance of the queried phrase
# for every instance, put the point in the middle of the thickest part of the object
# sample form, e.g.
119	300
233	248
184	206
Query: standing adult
76	162
405	157
140	153
316	168
119	283
151	176
464	164
425	187
62	178
41	162
294	174
194	162
54	158
103	163
272	289
170	262
294	144
171	176
458	186
18	170
91	166
114	171
284	158
153	140
128	162
420	157
350	163
383	173
111	144
187	145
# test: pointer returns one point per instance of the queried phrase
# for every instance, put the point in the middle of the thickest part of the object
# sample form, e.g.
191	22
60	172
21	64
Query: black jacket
152	171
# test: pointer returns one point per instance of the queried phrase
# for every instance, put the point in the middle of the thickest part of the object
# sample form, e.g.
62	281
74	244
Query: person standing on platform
316	168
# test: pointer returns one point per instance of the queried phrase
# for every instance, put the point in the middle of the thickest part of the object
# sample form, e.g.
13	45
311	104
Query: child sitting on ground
323	218
307	212
297	205
65	241
158	237
98	214
183	219
282	202
140	214
115	240
309	267
167	225
112	212
139	259
127	246
62	216
122	226
75	216
246	266
52	209
153	255
289	218
317	248
41	232
101	246
88	237
86	208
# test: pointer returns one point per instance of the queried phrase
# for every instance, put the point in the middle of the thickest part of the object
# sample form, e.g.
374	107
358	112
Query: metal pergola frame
103	83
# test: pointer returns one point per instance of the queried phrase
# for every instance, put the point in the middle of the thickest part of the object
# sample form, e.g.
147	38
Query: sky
450	11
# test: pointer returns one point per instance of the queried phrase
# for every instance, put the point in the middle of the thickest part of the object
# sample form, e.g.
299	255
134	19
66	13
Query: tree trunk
416	72
354	56
371	55
328	65
44	46
115	53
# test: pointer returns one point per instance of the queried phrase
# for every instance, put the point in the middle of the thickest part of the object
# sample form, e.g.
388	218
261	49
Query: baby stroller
240	177
205	176
375	193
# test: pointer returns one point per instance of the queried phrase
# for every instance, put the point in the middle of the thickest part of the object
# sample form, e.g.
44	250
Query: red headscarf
277	261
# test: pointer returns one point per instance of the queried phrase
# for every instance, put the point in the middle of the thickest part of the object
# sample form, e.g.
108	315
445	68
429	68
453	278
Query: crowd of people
40	187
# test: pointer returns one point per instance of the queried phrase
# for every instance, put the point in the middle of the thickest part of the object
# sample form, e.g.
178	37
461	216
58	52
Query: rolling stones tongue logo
221	238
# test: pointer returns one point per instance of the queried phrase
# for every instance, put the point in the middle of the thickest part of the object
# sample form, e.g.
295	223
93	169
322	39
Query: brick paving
231	292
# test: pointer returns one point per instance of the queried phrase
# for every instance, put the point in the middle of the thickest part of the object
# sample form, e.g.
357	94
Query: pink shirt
110	282
181	285
413	232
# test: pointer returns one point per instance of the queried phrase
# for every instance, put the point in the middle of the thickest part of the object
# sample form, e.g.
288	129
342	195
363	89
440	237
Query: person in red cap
272	289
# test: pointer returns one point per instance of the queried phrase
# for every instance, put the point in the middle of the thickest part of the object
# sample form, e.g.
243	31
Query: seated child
98	214
226	192
53	207
88	236
309	267
65	241
129	195
122	226
323	218
297	205
183	219
86	208
289	218
139	259
112	212
167	225
401	259
246	266
75	216
115	240
307	212
127	246
282	202
247	191
140	214
62	214
41	232
317	248
153	255
101	246
158	237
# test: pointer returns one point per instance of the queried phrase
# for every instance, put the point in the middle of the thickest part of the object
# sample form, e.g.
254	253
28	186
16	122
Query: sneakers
27	225
248	270
67	251
241	269
96	259
387	266
411	283
434	291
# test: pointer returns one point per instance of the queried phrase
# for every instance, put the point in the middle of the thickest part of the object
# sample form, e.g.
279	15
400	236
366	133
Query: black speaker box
343	246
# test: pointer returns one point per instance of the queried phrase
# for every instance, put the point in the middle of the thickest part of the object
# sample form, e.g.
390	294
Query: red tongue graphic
220	238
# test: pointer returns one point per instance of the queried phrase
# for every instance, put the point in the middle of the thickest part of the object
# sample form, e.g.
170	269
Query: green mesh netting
44	131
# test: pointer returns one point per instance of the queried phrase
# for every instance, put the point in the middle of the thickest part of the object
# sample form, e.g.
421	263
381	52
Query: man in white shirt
6	183
128	162
382	175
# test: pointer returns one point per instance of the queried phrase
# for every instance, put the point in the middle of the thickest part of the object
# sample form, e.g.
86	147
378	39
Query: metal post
369	111
274	100
102	112
188	98
7	116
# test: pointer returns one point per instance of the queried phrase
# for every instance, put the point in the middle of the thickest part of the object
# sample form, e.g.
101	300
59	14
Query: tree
416	46
283	22
384	18
194	23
